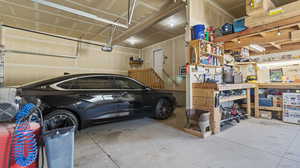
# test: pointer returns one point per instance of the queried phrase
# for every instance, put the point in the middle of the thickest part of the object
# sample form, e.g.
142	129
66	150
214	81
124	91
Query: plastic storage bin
265	102
239	25
198	32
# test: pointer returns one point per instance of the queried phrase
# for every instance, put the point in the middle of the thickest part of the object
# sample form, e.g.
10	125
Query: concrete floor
146	143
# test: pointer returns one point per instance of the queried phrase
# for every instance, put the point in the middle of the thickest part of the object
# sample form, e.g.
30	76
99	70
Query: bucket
198	32
60	147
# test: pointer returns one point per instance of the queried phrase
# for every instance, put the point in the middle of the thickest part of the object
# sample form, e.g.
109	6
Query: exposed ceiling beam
258	39
284	48
163	13
275	45
78	12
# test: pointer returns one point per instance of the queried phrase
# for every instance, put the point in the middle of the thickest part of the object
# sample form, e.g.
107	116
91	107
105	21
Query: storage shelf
209	66
215	55
272	108
244	63
195	42
232	98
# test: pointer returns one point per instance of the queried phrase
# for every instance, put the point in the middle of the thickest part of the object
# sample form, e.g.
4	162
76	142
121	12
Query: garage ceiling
237	7
29	15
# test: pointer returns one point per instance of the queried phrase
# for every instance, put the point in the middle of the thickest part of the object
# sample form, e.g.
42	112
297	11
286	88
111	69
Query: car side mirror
148	89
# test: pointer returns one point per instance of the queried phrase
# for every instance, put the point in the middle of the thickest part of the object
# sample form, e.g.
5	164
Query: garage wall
22	68
208	13
174	50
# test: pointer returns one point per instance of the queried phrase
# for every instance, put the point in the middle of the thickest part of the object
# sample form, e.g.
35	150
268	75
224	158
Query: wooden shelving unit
204	97
201	48
295	86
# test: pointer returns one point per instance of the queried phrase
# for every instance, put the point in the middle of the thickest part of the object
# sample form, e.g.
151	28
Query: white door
158	61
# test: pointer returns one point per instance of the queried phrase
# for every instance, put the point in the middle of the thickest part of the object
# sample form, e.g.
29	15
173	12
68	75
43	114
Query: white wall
174	49
20	68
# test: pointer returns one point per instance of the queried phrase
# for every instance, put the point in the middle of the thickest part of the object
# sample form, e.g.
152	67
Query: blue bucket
198	32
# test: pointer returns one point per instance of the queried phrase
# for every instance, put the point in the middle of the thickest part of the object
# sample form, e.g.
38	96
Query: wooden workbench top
279	85
222	87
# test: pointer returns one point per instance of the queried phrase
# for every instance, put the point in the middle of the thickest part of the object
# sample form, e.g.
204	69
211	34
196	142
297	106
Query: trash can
59	145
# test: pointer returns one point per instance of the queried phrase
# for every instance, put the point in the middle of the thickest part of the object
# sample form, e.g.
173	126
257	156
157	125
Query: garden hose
24	138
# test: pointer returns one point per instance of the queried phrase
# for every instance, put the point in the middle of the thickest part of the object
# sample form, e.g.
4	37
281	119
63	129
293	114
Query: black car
87	99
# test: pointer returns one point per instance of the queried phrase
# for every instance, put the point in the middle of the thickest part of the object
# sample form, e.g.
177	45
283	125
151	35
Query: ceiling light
256	48
239	41
278	33
133	40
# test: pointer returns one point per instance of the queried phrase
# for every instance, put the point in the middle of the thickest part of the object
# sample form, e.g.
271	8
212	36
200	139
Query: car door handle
124	93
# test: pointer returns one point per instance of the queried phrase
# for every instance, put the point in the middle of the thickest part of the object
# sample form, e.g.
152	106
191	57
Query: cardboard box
258	7
291	114
266	114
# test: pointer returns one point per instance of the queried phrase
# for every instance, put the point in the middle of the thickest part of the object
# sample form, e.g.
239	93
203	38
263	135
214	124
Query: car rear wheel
164	109
61	119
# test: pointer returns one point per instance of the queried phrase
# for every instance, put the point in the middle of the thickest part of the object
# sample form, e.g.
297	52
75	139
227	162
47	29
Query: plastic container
6	133
227	29
239	25
198	32
60	147
265	102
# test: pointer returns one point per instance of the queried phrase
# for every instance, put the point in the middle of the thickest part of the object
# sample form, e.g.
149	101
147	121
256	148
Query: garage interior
233	67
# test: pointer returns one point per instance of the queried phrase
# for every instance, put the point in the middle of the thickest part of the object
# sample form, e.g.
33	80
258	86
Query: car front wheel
163	110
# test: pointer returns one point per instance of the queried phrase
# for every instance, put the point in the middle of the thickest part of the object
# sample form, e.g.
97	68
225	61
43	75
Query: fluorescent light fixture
78	12
133	40
257	48
280	63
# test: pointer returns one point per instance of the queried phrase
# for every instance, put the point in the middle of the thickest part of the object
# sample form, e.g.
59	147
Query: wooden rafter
268	37
275	45
284	48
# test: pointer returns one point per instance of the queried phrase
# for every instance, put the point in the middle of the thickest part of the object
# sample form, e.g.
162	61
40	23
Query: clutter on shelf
136	61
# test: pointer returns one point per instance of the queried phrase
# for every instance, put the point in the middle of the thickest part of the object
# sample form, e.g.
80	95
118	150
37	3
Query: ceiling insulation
34	16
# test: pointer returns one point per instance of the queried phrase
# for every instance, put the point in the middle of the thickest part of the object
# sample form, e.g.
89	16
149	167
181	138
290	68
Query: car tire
54	120
163	109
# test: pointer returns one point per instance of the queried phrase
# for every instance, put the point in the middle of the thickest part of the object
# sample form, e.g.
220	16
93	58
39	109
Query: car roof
65	77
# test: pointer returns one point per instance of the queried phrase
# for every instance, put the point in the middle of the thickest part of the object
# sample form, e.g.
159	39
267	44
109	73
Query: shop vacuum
23	136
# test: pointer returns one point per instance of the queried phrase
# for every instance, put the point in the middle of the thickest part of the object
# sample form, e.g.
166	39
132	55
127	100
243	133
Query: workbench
205	98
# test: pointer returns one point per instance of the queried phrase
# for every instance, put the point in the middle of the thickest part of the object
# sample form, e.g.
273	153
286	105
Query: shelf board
208	66
215	55
244	63
232	98
135	63
209	42
272	108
